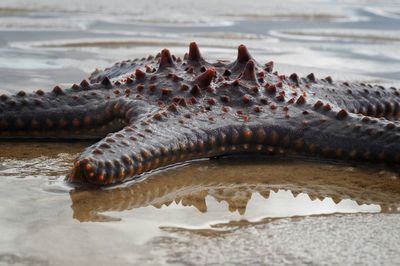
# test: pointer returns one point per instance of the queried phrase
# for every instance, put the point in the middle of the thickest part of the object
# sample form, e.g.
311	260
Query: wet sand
244	210
237	210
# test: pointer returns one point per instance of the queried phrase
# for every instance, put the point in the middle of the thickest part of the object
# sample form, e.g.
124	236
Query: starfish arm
168	138
81	112
366	99
159	140
336	133
149	143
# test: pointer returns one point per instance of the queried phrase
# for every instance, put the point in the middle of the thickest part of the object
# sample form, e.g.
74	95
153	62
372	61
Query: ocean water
259	211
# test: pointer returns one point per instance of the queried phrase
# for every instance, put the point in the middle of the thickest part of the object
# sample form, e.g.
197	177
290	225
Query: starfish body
163	110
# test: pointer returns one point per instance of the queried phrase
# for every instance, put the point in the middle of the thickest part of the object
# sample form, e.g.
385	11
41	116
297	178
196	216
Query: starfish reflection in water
235	182
166	109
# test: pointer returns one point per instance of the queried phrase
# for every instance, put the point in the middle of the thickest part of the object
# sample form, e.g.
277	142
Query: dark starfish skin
166	110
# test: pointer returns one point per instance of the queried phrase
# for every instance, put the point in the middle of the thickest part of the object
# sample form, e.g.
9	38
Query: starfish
161	110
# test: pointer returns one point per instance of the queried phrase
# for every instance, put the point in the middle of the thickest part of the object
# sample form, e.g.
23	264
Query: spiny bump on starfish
342	114
3	97
84	84
166	60
206	78
57	90
74	87
301	100
249	72
293	77
329	79
311	77
318	104
21	94
194	53
195	90
243	55
106	82
139	74
270	88
269	67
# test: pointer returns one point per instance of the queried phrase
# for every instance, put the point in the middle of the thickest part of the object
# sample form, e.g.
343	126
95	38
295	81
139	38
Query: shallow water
257	210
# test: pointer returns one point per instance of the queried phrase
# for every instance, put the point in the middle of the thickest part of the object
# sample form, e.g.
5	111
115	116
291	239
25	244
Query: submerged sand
259	210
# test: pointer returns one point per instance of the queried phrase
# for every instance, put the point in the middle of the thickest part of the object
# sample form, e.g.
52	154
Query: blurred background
47	42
